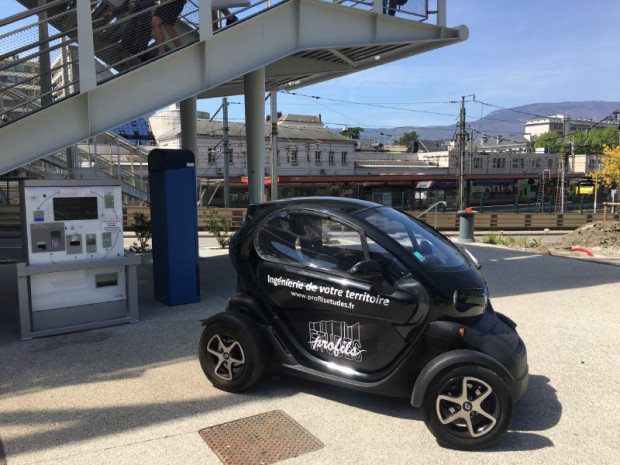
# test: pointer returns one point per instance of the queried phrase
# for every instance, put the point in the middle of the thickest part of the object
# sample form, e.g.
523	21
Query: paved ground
135	394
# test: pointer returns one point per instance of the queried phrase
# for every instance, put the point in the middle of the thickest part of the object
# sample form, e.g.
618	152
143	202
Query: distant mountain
507	123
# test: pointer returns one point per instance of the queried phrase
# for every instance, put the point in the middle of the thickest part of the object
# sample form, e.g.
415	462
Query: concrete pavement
135	394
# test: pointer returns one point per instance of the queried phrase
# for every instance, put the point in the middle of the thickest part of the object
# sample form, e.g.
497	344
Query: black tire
468	407
230	353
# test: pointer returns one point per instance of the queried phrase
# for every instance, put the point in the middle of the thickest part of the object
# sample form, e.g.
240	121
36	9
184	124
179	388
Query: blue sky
518	53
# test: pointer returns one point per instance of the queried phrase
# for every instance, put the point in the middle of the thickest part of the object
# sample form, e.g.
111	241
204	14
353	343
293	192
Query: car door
319	278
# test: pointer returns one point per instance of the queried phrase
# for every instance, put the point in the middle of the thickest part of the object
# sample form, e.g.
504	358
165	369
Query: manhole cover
261	439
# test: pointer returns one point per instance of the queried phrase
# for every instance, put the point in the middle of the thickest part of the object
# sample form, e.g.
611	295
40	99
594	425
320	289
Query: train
489	190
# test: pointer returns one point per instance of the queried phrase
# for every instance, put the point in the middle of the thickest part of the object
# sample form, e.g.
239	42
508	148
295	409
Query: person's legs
158	31
172	33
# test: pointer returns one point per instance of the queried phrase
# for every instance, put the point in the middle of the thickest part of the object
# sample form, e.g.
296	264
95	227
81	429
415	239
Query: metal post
471	150
86	48
459	168
596	189
70	161
254	92
187	109
441	13
206	21
118	159
44	59
96	155
274	145
226	143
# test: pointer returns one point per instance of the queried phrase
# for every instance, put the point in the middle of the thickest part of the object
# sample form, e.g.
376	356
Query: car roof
342	204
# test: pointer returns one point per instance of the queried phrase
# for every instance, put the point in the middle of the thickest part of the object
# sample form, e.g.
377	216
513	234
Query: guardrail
609	204
449	221
444	221
237	215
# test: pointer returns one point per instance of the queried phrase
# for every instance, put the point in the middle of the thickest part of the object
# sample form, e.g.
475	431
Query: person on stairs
138	28
164	18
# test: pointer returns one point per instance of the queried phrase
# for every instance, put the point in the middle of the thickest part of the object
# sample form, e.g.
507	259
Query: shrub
220	227
142	227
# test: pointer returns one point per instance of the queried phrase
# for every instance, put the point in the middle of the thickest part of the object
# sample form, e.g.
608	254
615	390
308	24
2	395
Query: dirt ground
601	239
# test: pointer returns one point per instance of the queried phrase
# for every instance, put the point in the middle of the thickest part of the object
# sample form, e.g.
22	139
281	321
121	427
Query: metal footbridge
65	75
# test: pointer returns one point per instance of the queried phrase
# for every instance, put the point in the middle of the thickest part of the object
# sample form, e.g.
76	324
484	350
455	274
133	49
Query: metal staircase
296	42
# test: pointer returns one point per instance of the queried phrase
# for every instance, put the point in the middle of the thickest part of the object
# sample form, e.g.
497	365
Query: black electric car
360	295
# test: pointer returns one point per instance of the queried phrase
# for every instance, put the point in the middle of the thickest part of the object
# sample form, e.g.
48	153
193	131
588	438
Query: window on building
294	157
210	155
549	163
343	158
331	157
317	157
477	162
517	163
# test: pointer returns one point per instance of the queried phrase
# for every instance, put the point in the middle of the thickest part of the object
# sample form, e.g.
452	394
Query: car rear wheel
230	353
468	407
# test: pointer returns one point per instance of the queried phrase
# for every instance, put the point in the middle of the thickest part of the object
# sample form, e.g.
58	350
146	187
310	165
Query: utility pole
274	144
460	168
471	150
226	152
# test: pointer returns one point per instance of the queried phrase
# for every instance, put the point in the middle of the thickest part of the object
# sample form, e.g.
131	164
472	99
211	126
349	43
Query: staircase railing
51	52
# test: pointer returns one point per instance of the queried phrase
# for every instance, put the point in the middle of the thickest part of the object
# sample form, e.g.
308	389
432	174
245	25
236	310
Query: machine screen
75	208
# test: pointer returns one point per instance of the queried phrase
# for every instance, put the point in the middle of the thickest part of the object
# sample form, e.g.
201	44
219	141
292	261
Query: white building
562	124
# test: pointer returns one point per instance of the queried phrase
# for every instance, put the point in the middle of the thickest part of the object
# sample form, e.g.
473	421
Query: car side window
393	269
310	240
276	239
343	243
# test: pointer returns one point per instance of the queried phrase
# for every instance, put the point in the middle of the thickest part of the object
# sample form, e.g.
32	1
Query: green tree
407	139
352	133
550	140
595	140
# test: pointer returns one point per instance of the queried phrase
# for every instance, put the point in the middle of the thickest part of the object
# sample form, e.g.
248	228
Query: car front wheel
468	407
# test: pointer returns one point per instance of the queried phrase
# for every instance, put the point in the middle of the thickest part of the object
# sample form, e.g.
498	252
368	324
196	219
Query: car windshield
431	250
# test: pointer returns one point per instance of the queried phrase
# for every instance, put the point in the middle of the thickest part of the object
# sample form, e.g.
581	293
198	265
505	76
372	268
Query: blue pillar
174	224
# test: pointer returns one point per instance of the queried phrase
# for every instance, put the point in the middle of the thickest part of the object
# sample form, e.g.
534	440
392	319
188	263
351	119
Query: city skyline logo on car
336	338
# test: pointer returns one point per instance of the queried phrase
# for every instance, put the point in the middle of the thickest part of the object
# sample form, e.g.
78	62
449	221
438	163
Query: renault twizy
360	295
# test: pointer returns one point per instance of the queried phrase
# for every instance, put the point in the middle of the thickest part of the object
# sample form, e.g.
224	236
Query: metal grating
260	439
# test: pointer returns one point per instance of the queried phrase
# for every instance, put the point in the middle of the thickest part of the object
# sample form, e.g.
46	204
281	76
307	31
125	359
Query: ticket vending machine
76	274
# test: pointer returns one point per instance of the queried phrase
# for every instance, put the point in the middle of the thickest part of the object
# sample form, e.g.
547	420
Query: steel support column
254	92
189	136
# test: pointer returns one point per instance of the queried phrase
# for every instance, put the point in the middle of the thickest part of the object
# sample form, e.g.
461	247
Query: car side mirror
367	268
372	271
426	248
